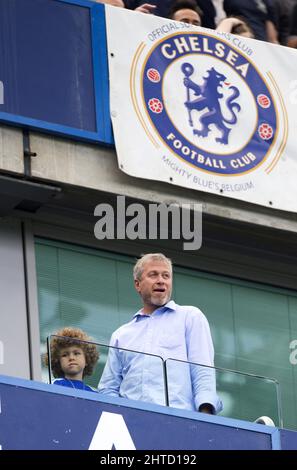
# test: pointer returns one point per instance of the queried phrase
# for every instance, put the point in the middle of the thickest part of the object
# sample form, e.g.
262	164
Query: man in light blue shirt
162	331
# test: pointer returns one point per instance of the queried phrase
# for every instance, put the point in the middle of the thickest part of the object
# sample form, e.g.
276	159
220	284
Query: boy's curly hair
72	337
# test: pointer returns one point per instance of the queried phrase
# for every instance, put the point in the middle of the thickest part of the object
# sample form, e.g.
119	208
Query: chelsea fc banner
203	110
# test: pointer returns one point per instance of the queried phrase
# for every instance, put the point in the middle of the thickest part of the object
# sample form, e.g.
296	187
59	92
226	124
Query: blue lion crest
208	97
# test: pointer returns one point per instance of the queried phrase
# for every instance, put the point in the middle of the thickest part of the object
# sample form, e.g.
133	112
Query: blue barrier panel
288	439
53	67
40	416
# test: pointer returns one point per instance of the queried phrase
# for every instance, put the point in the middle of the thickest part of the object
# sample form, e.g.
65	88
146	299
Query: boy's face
73	362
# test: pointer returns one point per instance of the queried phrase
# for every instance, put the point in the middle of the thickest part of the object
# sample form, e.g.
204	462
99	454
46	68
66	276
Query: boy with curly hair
72	358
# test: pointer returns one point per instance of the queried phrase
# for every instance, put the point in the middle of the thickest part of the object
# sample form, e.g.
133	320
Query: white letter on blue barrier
111	432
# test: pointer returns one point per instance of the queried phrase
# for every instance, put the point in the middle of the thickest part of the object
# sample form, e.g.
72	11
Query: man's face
186	15
73	361
155	285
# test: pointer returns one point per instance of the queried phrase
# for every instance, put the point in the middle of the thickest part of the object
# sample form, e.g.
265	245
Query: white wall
14	348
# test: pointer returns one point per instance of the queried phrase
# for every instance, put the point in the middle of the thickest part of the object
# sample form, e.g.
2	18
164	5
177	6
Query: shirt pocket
169	341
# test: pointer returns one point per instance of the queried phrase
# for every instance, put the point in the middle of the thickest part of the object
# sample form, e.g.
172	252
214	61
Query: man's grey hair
140	264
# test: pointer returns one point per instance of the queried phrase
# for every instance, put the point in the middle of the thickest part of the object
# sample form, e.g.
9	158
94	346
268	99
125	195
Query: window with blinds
252	324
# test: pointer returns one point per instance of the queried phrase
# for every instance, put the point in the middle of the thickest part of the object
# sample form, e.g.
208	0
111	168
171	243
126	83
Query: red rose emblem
155	105
265	131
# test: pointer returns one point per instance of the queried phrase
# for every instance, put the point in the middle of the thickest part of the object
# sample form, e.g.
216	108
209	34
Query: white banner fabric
203	110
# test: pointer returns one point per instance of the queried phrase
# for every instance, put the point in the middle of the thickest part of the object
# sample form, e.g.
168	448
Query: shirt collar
171	305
